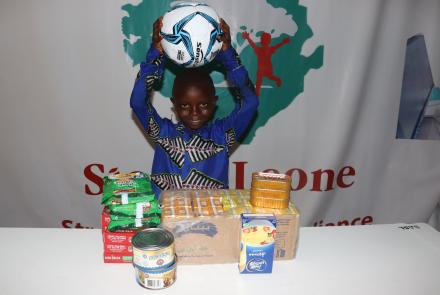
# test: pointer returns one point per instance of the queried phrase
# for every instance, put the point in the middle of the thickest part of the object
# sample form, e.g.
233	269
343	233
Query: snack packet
133	223
135	210
177	212
117	184
124	199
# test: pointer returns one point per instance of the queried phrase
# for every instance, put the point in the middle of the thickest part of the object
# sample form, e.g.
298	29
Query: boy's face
194	106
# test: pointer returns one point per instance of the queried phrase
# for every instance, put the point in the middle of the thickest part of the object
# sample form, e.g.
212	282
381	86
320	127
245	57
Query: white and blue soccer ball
190	32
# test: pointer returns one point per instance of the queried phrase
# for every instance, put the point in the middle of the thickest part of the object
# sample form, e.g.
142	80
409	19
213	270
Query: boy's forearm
229	58
150	70
153	63
236	72
247	101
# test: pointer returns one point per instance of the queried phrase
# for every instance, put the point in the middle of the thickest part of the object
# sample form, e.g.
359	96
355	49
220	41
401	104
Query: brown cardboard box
216	239
204	240
287	234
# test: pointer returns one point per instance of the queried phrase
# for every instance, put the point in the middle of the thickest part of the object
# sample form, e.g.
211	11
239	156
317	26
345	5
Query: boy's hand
156	38
226	37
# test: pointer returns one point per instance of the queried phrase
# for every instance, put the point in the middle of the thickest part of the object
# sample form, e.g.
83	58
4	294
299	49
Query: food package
270	190
126	198
265	202
190	203
117	244
257	243
273	181
125	183
133	223
135	210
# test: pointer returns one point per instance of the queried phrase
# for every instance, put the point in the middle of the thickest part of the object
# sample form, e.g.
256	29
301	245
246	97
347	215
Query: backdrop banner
349	105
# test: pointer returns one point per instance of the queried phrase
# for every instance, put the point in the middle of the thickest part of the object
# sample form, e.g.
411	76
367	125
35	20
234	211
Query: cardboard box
216	239
287	231
205	240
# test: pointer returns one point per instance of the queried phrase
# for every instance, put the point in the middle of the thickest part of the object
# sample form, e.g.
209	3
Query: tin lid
271	176
152	239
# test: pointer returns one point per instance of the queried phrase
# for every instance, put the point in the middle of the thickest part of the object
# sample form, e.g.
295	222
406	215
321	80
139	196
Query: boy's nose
195	110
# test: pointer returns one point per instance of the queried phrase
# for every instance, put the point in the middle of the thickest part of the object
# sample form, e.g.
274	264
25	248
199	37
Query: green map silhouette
288	63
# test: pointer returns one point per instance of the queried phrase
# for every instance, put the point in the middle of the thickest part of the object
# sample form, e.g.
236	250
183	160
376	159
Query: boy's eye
184	106
203	105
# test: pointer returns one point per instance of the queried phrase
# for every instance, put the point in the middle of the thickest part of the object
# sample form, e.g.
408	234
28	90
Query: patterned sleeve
237	122
150	71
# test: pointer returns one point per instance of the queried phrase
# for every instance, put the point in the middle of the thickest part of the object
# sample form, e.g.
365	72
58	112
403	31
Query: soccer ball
190	33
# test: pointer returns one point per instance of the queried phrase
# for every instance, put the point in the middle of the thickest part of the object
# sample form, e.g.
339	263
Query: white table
372	259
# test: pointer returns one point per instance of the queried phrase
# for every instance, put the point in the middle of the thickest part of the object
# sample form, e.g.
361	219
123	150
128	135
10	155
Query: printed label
156	279
203	228
153	259
257	243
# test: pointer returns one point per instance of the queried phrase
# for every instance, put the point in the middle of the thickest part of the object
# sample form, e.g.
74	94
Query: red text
320	179
66	223
355	221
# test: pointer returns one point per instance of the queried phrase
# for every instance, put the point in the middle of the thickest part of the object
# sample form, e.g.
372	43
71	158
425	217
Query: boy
192	154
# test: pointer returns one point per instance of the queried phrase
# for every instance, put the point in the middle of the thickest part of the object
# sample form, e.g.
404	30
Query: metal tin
275	181
156	279
269	203
153	248
270	190
270	193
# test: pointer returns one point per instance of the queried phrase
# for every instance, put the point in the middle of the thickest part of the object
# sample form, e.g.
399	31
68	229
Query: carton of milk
257	243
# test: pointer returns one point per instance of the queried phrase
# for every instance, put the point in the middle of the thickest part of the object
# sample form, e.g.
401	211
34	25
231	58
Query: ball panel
177	53
190	33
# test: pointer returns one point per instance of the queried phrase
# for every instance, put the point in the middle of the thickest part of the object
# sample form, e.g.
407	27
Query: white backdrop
65	83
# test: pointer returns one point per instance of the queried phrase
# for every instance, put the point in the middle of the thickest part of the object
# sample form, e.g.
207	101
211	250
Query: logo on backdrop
269	37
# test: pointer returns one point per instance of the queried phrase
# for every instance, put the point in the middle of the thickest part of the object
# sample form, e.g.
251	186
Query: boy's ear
215	98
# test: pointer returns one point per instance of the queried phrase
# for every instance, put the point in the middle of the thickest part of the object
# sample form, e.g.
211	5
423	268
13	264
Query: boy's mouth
194	124
195	120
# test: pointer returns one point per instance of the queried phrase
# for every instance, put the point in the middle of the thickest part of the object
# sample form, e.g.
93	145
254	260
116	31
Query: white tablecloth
372	259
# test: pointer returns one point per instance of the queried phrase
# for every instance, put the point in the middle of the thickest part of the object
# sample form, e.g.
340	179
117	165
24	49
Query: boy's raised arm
246	106
150	71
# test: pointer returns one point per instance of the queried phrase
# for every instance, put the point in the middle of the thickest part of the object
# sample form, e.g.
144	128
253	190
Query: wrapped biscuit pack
190	203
